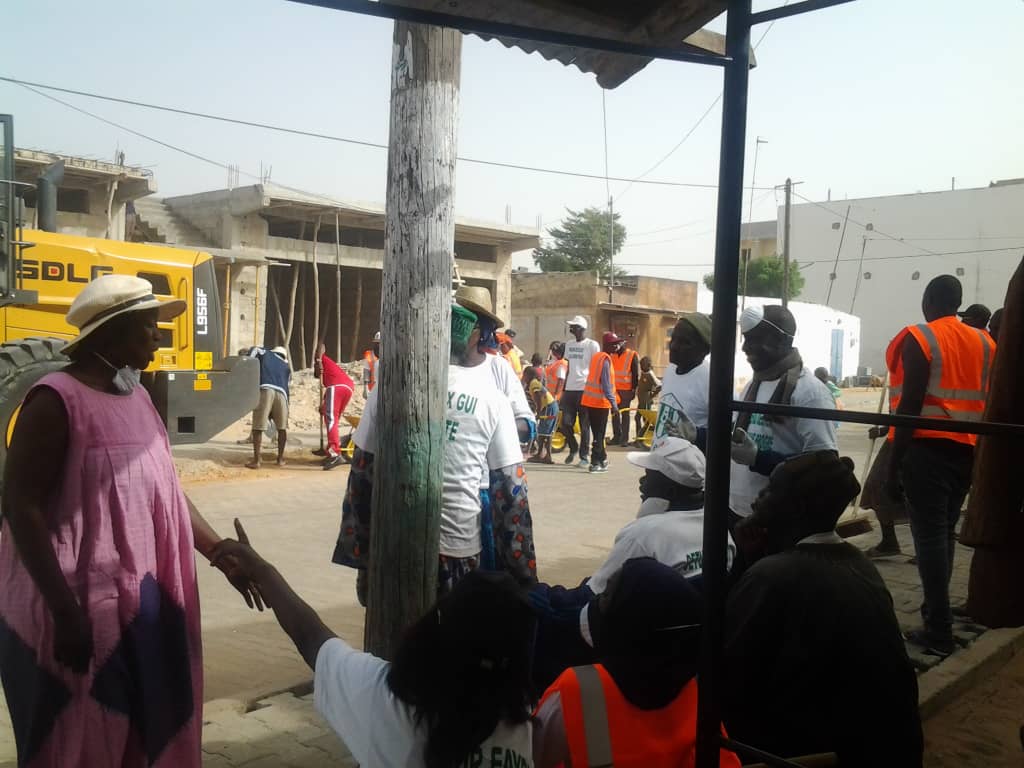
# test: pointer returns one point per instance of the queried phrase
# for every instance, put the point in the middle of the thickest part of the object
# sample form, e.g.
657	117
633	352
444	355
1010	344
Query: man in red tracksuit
338	387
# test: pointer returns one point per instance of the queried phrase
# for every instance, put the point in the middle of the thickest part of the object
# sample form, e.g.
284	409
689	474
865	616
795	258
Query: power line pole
419	241
750	215
785	244
611	251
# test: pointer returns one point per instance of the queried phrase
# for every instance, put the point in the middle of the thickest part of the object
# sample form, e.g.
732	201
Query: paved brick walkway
292	516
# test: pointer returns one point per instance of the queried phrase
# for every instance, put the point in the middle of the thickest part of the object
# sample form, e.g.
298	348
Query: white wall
814	326
979	232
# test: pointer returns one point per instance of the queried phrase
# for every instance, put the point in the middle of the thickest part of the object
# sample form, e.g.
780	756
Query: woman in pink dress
100	649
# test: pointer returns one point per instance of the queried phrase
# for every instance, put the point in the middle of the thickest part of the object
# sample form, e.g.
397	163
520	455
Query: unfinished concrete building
285	258
94	199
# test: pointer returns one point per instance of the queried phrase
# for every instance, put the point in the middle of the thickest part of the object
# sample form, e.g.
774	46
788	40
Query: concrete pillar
248	314
503	282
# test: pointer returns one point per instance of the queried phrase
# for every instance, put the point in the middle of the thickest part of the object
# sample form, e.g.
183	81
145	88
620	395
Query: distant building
757	240
894	245
263	239
93	200
641	309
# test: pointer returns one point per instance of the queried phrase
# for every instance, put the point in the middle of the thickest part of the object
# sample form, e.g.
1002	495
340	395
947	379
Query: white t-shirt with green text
480	434
683	396
351	693
790	437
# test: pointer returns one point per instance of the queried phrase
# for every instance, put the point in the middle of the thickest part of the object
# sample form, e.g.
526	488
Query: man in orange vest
626	363
638	706
371	358
599	399
940	369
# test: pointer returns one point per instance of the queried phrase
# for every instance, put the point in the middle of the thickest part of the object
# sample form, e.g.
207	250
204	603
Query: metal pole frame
720	387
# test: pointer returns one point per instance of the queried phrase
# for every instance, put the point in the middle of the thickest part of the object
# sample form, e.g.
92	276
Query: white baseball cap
679	460
579	320
281	352
108	296
376	336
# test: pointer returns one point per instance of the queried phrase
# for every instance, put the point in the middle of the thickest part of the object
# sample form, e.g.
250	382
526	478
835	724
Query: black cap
978	312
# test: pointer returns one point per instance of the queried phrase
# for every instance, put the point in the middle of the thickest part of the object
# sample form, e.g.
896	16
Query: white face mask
125	379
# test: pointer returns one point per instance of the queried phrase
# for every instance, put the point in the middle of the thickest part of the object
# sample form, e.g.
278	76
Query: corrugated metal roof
668	23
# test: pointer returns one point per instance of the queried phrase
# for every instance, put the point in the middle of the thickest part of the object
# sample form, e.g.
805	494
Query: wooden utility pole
785	245
316	294
419	240
296	268
337	282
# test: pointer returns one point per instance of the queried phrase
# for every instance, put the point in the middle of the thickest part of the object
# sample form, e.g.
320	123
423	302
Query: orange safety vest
960	367
593	395
371	363
551	376
623	363
603	729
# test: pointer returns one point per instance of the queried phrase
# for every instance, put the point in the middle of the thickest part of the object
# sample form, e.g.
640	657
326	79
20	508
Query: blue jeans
936	477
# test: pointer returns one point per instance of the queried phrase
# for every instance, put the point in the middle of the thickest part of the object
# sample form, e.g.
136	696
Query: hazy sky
874	97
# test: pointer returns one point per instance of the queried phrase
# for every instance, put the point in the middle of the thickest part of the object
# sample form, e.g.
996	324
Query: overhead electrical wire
806	264
32	86
700	119
189	153
862	225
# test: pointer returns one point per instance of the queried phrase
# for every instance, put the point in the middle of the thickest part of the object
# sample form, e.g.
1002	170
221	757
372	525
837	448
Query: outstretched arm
299	621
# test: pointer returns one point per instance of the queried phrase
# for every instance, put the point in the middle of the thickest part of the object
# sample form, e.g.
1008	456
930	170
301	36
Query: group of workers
337	388
504	669
624	642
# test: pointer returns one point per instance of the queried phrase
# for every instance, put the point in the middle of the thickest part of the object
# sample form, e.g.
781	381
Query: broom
856	522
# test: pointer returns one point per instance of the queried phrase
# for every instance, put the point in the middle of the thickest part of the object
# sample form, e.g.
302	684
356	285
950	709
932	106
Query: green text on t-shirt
499	757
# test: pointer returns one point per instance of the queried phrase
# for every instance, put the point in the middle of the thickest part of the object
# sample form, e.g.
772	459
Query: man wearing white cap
275	377
669	527
760	443
670	524
578	353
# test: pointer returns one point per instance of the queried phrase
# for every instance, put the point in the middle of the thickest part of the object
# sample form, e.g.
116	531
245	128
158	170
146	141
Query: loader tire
22	364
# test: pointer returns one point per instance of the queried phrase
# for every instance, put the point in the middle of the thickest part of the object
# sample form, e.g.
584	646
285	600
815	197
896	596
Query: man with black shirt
814	659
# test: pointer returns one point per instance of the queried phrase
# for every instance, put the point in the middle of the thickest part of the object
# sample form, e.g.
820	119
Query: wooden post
316	294
357	310
272	290
337	281
302	322
419	239
296	265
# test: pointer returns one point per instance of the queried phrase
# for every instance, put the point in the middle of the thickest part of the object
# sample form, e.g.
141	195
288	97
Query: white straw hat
108	296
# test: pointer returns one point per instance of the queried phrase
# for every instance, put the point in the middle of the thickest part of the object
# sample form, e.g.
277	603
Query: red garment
338	387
